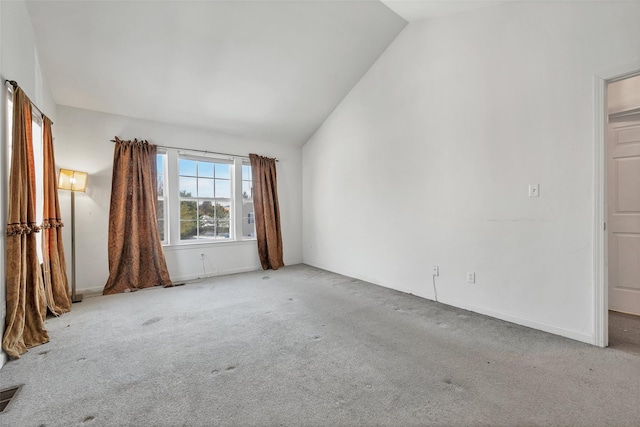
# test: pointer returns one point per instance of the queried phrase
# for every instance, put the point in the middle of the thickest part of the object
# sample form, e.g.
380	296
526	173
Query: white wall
428	160
82	143
4	182
19	62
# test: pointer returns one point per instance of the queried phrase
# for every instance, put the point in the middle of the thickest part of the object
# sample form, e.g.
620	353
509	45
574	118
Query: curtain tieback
22	228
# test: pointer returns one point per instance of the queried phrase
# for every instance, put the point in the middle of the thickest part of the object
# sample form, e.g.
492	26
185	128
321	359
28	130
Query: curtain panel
136	259
54	270
267	211
26	304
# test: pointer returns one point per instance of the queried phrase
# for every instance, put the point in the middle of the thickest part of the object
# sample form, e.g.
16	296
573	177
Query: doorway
622	266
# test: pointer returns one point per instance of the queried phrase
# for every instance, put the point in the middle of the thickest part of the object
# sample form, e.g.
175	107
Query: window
161	160
38	161
248	221
205	198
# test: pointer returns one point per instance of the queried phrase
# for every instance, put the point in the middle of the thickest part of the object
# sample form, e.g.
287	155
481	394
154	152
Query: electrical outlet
534	190
436	270
471	277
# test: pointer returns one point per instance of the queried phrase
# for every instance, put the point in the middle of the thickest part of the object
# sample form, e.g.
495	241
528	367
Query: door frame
600	244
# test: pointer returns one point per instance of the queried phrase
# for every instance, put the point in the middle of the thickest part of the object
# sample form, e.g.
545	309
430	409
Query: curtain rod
200	151
14	85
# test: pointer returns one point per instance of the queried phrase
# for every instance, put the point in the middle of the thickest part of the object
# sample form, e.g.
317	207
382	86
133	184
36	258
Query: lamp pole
74	297
73	181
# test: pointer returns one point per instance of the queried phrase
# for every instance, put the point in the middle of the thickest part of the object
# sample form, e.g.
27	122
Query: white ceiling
265	70
417	10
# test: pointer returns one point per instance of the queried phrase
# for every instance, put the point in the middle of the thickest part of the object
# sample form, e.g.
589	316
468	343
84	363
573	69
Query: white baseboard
589	339
521	321
91	292
190	277
95	292
4	358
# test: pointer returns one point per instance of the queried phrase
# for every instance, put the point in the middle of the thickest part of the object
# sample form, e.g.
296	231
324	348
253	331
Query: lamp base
76	298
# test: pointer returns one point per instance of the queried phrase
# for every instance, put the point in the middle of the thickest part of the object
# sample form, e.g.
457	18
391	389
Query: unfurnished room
320	213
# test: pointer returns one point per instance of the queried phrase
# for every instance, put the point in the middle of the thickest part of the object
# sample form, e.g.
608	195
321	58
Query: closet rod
200	151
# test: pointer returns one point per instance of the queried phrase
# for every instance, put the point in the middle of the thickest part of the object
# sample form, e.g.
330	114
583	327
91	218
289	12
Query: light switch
534	190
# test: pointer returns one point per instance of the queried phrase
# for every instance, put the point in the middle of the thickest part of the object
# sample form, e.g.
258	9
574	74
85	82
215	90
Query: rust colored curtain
267	211
136	259
26	305
54	267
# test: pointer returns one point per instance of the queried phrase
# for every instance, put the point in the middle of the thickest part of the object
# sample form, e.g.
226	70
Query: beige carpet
305	347
624	332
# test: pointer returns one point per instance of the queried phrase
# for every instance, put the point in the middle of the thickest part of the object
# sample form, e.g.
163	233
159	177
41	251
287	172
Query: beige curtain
267	211
26	305
136	259
54	270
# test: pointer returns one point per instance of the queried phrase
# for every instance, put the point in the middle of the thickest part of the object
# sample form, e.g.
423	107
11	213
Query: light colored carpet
305	347
624	332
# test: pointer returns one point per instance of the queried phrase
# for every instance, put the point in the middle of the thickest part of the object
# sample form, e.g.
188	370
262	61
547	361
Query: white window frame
251	216
172	197
213	200
37	140
163	155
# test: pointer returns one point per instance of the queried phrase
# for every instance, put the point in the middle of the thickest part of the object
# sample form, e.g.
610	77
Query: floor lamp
73	181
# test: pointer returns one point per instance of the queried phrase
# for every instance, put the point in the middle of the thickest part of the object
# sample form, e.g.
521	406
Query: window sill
208	243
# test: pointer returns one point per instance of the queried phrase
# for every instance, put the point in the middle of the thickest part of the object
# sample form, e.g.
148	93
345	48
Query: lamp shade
72	180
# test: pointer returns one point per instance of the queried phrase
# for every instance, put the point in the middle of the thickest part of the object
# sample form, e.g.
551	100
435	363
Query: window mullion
236	201
207	186
172	200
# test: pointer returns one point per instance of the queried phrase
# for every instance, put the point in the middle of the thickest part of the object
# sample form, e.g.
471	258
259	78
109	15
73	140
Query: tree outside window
205	199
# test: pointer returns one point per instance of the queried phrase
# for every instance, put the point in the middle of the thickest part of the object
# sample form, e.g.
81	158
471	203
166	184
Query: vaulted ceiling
263	70
418	10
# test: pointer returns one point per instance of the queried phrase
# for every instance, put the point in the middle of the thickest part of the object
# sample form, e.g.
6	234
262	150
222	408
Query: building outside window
161	160
248	220
205	198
